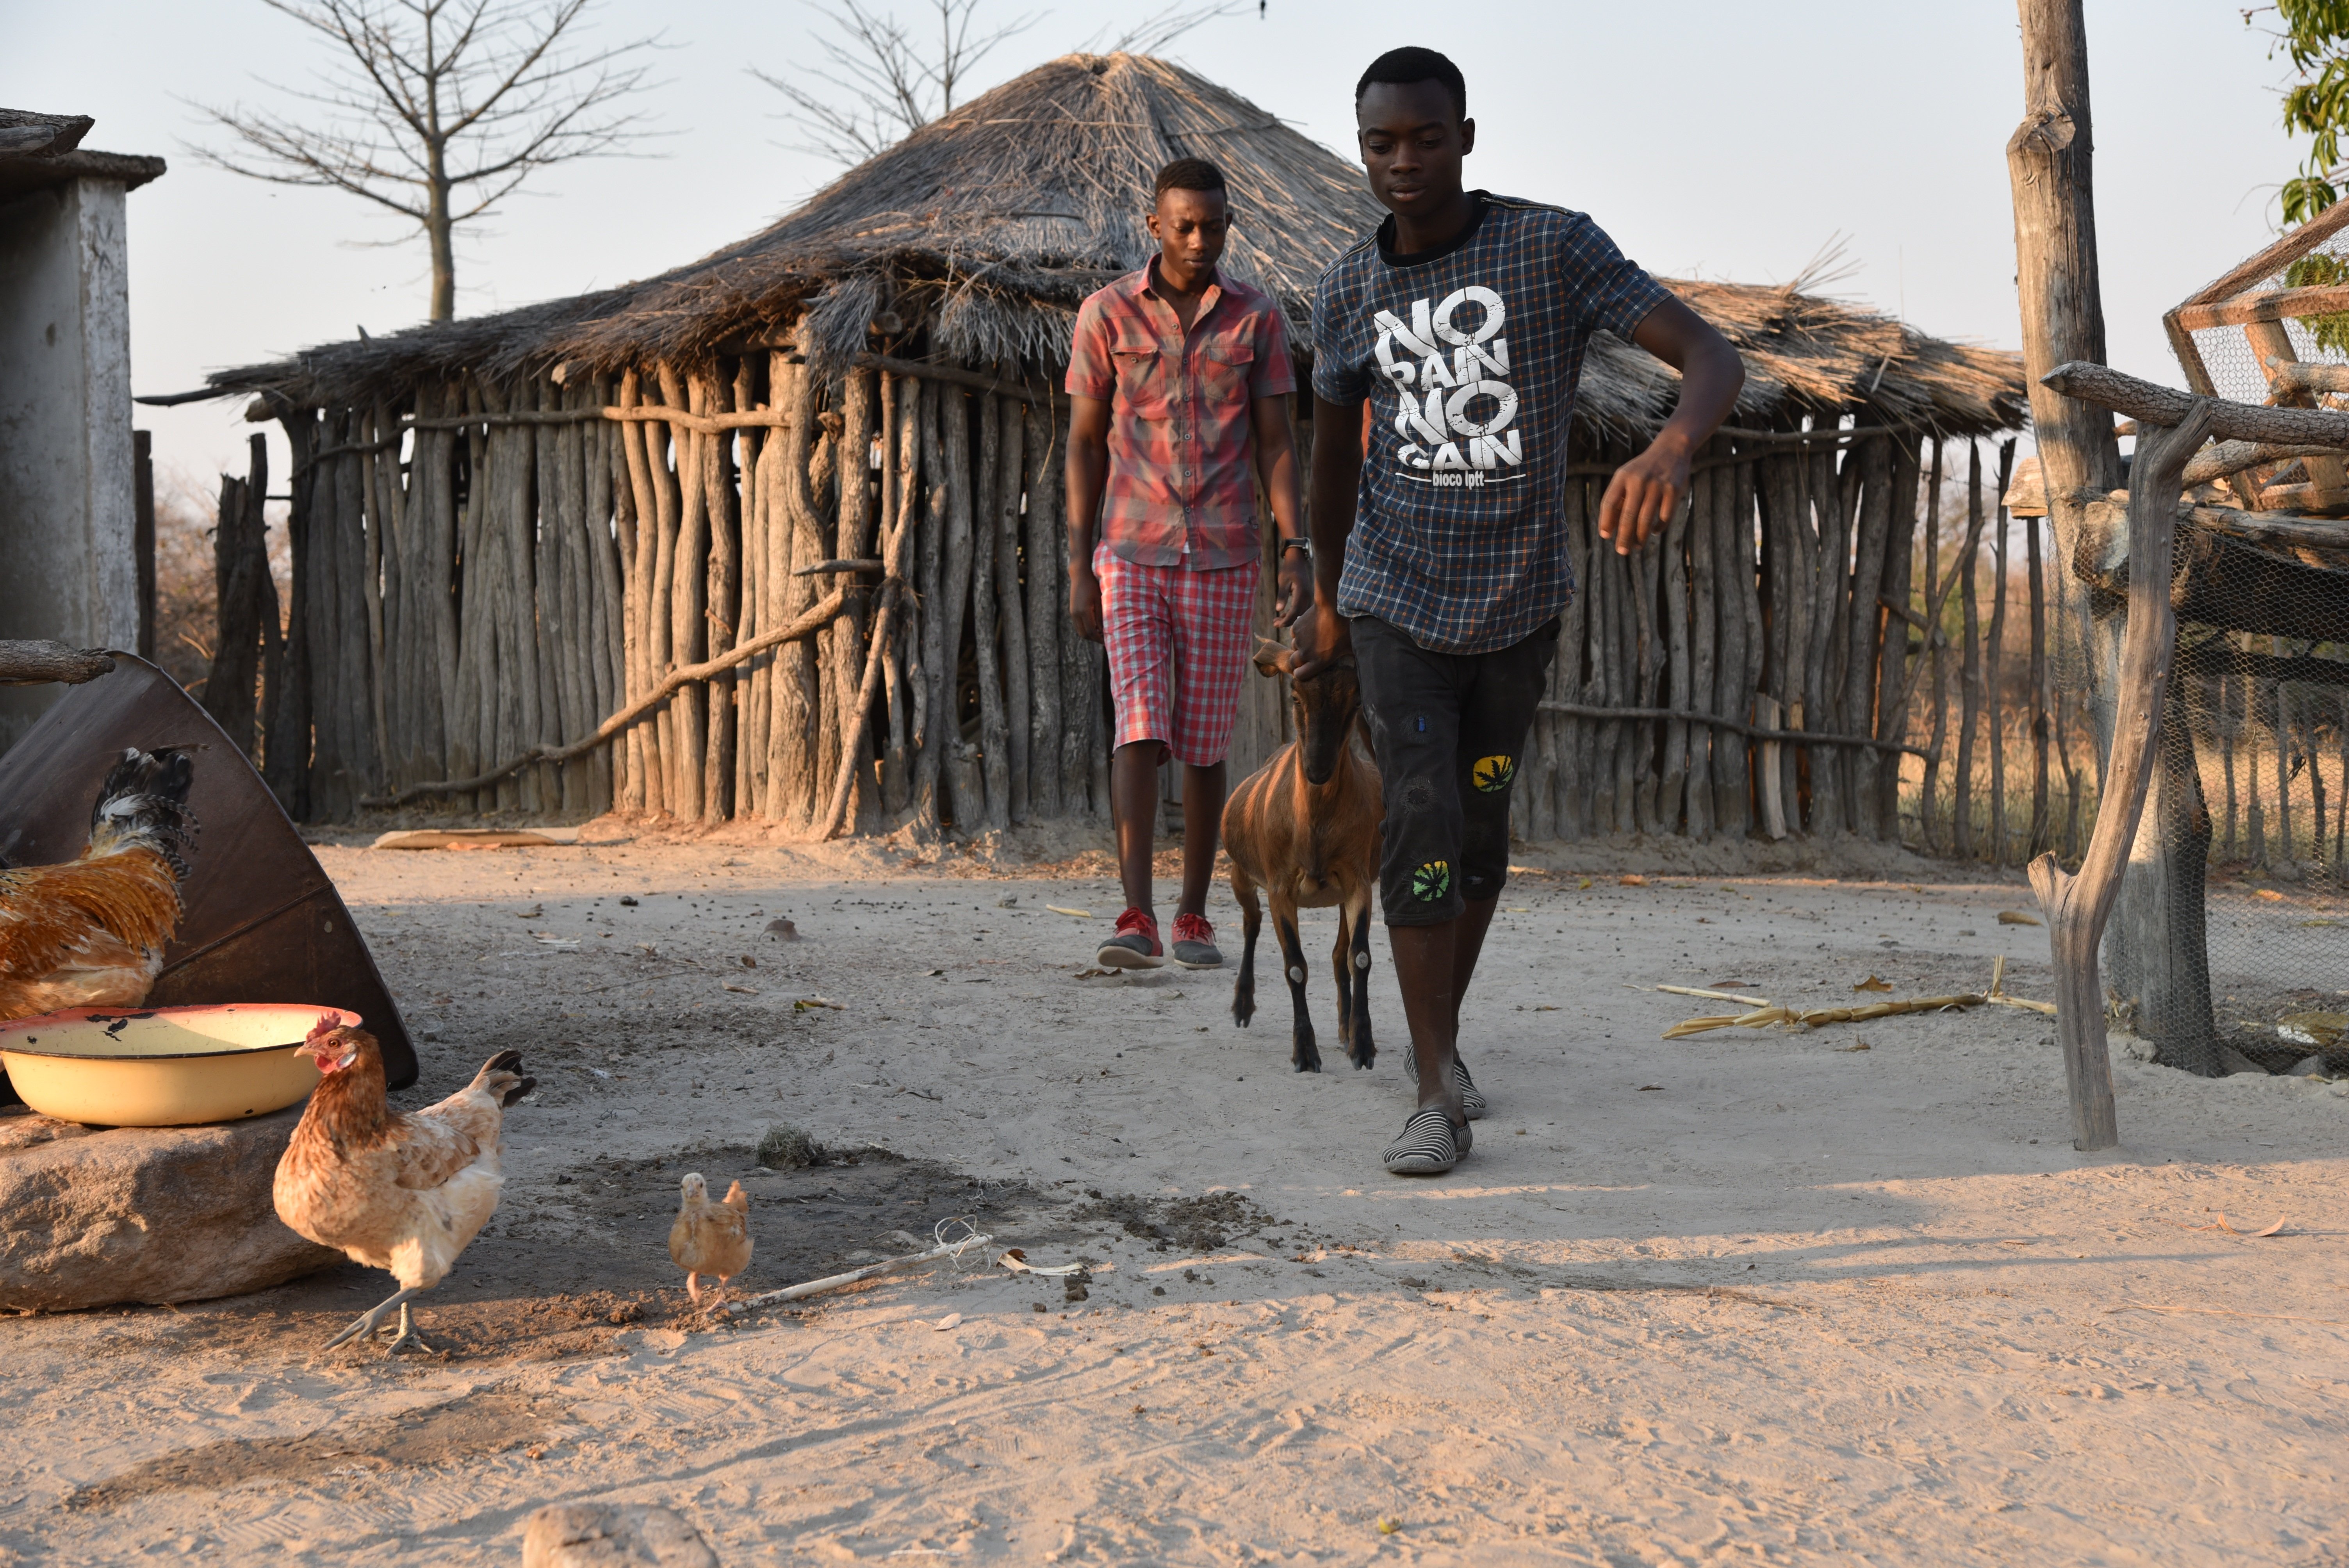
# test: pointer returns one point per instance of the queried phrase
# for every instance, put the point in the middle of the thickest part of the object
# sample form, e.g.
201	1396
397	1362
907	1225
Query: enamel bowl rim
71	1016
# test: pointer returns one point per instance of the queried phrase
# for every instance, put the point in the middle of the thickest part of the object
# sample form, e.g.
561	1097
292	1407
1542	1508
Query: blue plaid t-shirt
1472	354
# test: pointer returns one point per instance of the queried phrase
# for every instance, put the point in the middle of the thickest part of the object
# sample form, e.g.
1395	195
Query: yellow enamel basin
163	1066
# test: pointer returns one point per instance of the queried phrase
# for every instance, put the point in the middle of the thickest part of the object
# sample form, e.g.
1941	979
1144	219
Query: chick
709	1238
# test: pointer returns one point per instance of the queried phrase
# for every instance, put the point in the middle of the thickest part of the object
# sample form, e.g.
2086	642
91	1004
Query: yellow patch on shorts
1493	773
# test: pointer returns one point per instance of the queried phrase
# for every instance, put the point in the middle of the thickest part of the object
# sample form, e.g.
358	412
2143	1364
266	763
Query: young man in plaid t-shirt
1440	556
1178	384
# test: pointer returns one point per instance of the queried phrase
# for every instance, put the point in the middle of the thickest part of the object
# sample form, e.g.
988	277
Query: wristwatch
1302	546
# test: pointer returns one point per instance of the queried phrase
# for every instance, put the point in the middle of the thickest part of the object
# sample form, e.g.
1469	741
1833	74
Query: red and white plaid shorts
1204	621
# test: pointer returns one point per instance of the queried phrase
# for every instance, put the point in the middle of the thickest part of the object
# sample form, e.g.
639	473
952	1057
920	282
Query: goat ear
1272	658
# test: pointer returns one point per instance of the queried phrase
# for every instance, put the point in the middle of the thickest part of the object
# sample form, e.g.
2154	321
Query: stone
101	1216
612	1535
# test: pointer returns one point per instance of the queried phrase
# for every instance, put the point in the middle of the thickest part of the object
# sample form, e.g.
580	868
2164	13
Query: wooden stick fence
737	591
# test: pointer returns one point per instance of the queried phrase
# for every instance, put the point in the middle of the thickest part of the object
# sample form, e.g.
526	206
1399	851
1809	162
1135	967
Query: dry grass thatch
974	240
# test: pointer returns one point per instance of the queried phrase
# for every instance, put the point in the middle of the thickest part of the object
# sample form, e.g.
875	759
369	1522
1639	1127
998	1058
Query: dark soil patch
476	1424
1200	1224
534	1287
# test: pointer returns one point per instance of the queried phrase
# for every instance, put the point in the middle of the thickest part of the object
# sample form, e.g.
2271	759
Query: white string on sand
949	1245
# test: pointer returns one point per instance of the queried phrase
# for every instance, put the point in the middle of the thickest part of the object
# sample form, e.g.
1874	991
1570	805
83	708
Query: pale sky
1715	138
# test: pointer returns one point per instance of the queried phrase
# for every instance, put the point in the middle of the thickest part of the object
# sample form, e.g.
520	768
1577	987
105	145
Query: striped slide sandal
1429	1144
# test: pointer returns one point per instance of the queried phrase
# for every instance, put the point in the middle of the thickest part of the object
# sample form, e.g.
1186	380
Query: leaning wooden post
851	751
2078	906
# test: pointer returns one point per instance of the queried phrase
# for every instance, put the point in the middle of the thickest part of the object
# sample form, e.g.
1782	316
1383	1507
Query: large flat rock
97	1216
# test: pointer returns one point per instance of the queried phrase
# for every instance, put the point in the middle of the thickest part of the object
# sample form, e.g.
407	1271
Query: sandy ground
1744	1296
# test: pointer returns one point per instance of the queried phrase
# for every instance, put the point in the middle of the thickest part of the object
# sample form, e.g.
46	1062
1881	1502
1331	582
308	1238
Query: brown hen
401	1191
90	932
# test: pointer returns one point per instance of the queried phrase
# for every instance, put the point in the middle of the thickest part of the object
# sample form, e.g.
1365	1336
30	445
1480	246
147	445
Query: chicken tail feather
502	1076
144	800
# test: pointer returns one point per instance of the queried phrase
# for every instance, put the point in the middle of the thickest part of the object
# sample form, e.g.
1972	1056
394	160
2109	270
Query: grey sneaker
1136	945
1195	943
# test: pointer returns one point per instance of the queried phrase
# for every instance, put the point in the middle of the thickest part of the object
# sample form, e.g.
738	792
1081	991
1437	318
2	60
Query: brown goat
1304	828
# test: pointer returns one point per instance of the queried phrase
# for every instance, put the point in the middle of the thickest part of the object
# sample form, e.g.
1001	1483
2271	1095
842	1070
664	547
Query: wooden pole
1648	669
142	534
1741	648
1704	640
1566	672
1827	517
1895	679
1011	475
932	679
561	603
2049	160
2078	906
721	599
1673	792
994	729
965	793
2042	826
1993	660
1046	596
663	653
1927	809
902	396
1969	692
600	523
646	790
689	608
1866	625
795	732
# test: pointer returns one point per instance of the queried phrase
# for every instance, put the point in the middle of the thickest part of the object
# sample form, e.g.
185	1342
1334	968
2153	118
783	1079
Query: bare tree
440	110
878	83
1162	27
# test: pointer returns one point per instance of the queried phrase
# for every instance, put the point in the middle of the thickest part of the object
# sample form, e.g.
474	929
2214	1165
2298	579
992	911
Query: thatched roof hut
950	265
980	233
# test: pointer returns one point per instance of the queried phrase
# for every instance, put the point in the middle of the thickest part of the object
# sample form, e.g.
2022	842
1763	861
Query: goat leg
1345	990
1251	922
1359	1045
1302	1055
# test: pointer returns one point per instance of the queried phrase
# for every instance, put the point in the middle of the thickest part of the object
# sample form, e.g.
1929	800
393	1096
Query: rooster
90	932
401	1191
709	1238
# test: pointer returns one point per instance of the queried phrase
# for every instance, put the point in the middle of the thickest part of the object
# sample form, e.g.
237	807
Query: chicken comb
326	1024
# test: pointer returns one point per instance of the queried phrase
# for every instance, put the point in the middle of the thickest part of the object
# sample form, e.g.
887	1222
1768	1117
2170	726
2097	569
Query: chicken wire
2248	812
2229	358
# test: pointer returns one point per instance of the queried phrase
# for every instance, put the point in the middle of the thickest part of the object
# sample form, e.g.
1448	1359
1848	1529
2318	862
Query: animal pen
777	535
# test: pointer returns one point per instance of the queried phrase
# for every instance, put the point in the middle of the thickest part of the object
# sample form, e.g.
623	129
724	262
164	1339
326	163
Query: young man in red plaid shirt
1179	381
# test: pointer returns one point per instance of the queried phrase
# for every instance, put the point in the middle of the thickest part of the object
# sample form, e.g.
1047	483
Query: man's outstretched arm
1650	487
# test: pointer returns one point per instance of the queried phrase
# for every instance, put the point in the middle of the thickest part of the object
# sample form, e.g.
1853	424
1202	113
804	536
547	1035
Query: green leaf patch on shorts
1431	880
1492	774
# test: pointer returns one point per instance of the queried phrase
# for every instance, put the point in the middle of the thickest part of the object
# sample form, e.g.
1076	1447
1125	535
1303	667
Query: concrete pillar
68	563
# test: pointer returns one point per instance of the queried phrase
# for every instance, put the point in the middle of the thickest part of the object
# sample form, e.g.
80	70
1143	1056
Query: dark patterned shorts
1448	730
